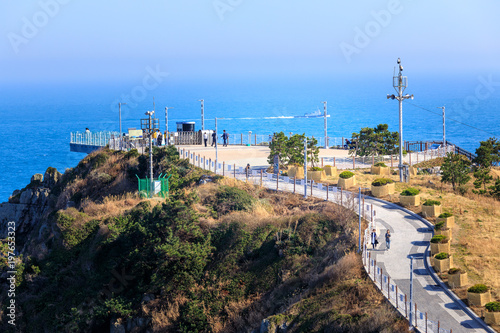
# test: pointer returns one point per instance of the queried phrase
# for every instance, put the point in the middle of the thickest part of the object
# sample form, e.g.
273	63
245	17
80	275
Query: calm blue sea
36	119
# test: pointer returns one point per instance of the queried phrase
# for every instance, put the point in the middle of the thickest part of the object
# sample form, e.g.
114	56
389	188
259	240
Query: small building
185	126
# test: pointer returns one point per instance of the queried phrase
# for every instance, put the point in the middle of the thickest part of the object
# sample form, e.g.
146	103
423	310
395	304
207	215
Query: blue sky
71	40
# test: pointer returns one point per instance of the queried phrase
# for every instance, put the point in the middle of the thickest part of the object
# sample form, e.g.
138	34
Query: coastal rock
37	177
117	326
51	177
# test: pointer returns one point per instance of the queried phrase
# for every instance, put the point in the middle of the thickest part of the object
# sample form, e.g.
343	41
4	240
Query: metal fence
158	187
93	138
334	194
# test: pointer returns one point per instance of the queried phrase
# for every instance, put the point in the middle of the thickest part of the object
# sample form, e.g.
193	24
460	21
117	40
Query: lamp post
202	114
120	116
150	133
326	128
305	167
166	124
444	126
400	83
359	213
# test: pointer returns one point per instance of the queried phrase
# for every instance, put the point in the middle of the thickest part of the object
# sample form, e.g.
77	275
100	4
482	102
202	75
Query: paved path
410	238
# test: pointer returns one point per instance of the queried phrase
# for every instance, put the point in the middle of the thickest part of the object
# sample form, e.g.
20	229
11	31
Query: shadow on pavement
420	243
424	230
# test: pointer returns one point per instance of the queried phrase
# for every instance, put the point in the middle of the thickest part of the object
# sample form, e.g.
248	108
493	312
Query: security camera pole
400	83
150	125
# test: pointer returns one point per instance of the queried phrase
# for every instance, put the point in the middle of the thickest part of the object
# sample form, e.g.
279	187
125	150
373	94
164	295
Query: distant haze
86	41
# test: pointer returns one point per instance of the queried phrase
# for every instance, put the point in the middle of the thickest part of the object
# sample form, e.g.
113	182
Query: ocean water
36	119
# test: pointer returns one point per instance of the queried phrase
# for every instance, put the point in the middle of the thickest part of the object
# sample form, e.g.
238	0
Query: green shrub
316	169
382	181
346	174
380	164
430	202
454	271
493	306
132	153
410	191
445	215
328	166
230	198
442	256
478	289
439	225
439	239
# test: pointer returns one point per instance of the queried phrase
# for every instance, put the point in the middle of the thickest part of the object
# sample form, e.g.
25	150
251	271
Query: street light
120	115
166	124
400	83
326	128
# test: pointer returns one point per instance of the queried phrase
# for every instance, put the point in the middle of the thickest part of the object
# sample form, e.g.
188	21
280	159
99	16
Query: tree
483	178
455	170
291	150
488	153
495	189
375	141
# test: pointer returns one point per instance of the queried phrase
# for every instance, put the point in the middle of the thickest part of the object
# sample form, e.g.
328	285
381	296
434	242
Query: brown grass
110	206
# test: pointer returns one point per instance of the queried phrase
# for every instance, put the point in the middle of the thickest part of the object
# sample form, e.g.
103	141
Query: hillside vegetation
219	257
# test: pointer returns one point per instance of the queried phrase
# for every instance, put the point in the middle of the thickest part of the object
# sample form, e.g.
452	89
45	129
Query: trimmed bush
327	166
454	271
346	174
478	289
380	164
410	191
442	256
316	169
430	202
231	198
439	225
382	181
439	239
493	306
445	215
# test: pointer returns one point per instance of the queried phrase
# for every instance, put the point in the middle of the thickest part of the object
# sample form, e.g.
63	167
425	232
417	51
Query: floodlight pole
202	114
411	293
400	83
326	127
216	148
444	126
150	132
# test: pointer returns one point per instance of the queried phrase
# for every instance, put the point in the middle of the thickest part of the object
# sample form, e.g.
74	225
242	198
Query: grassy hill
219	257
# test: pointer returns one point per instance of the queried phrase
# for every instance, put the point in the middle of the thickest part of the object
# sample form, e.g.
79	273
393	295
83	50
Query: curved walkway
389	268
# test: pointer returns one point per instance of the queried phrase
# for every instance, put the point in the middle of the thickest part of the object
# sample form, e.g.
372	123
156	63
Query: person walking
388	239
205	138
373	238
225	136
214	139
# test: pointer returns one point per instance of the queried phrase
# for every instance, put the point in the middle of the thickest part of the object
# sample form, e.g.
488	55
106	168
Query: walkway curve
387	268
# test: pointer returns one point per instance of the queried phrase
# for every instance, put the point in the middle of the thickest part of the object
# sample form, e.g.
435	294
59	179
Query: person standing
205	138
225	136
373	238
388	239
159	139
214	139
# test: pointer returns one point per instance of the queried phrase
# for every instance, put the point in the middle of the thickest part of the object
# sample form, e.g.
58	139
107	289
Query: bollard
353	163
439	325
277	180
416	322
223	167
312	183
210	164
397	297
327	190
294	181
234	171
388	287
406	309
426	322
260	177
334	161
381	279
322	162
199	160
369	262
410	157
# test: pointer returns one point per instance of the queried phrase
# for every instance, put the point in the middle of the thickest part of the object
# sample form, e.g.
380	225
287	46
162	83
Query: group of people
224	136
374	239
158	138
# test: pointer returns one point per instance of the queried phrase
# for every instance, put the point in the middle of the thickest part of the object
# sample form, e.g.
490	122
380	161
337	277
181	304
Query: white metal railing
334	194
100	139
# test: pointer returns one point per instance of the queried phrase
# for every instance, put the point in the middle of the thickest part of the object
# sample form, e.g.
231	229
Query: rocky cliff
30	209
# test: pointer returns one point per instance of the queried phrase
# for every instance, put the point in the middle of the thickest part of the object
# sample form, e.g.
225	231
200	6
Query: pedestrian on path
388	239
225	136
205	138
374	239
214	139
